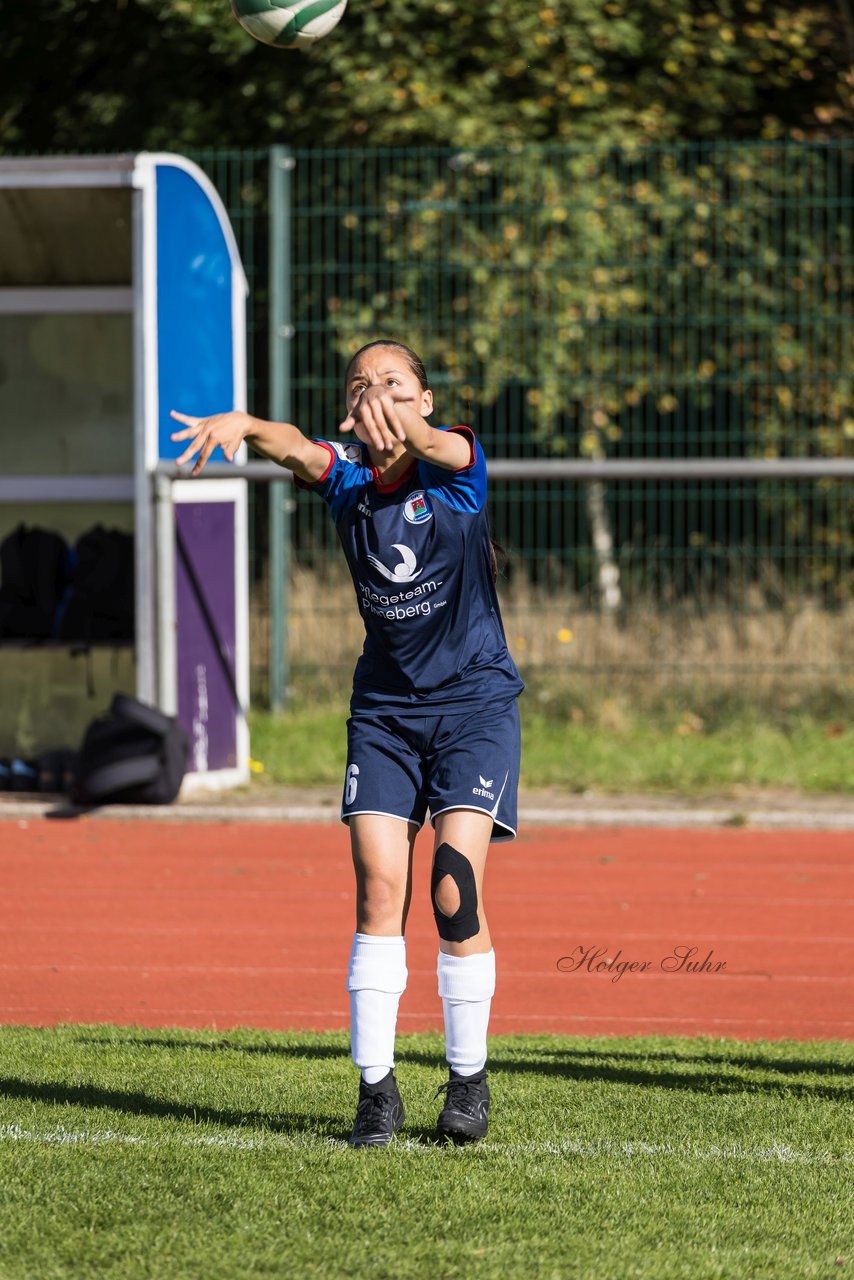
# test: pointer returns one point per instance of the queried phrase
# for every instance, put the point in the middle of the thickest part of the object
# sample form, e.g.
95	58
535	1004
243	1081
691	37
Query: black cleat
379	1114
465	1115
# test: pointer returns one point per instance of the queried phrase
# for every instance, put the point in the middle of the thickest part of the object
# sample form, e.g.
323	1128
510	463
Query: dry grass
555	633
558	631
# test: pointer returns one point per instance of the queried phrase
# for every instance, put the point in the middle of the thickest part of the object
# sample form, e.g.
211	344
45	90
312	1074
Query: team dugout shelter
122	296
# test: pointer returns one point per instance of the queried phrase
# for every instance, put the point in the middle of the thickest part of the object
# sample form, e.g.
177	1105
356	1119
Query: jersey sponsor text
394	608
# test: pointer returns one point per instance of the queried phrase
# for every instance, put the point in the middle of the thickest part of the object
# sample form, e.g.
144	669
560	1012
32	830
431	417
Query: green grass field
609	745
131	1153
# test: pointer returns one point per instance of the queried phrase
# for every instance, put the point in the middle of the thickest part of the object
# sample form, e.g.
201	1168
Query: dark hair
414	361
497	554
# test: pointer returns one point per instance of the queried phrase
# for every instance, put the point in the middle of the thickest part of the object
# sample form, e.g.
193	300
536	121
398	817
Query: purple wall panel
206	702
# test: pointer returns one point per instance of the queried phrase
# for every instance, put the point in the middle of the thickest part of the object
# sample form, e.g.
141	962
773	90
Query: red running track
221	925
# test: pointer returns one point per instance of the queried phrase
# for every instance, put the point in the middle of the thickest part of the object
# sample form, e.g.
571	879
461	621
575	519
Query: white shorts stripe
510	833
345	817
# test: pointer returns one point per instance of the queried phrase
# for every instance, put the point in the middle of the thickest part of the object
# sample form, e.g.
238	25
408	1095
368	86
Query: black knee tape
463	923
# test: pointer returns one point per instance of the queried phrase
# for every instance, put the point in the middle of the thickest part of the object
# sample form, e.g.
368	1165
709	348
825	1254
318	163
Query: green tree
649	300
646	295
126	74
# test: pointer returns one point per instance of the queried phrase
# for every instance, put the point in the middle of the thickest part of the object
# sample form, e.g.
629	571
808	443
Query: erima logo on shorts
483	789
406	571
416	510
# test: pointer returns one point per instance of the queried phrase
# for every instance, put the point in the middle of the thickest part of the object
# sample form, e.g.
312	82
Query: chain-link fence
654	303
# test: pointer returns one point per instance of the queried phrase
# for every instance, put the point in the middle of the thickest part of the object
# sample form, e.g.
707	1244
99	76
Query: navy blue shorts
404	767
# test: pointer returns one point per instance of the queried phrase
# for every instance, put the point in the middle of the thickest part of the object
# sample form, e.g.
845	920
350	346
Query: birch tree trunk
607	570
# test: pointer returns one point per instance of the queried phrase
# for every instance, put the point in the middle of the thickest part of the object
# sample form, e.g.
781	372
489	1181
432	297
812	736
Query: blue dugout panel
193	336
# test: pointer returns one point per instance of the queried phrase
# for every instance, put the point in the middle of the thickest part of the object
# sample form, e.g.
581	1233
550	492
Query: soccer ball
288	24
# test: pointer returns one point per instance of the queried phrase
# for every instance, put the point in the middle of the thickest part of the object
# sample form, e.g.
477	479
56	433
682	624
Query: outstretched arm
385	418
281	441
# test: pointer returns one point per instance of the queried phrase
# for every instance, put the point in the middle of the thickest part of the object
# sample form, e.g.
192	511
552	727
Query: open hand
376	414
226	430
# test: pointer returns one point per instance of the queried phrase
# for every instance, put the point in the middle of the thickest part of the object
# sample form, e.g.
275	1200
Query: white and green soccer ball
288	24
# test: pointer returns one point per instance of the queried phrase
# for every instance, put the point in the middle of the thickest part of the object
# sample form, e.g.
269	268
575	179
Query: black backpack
99	602
133	755
51	772
33	574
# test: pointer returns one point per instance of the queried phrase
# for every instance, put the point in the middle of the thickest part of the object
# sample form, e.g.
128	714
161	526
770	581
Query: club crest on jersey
416	510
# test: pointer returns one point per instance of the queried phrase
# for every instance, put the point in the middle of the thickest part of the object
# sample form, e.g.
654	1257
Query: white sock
466	985
376	979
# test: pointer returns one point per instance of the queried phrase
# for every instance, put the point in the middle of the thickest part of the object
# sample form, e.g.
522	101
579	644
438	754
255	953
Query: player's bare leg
382	859
469	832
466	968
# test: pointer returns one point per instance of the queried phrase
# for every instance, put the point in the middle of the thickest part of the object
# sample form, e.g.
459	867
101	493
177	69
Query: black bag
52	772
133	755
99	602
18	775
34	573
57	770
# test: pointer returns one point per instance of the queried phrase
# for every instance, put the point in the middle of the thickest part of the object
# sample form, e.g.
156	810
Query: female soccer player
434	722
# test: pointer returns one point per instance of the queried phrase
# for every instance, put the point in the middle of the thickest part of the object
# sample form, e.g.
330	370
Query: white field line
829	1028
595	1149
255	971
184	931
198	894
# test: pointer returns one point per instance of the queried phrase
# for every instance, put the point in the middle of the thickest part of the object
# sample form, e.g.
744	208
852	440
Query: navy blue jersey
418	551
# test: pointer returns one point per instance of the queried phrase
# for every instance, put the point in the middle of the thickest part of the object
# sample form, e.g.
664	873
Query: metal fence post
167	640
281	337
